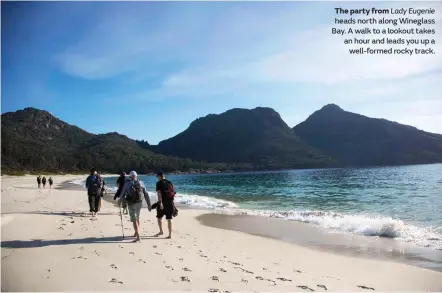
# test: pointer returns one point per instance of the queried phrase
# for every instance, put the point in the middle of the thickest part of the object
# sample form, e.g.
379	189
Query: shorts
166	211
134	211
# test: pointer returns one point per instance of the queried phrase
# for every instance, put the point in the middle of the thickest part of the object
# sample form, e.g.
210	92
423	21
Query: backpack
94	187
135	193
169	189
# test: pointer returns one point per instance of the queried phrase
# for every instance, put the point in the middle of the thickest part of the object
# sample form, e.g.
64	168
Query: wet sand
312	236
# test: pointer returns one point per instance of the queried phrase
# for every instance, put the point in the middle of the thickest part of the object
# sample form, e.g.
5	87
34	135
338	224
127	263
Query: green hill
356	140
239	136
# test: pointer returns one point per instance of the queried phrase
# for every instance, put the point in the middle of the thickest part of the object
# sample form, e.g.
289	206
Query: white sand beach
50	243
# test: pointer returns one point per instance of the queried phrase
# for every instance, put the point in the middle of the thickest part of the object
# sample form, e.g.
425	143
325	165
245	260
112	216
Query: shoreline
311	236
49	243
214	171
314	237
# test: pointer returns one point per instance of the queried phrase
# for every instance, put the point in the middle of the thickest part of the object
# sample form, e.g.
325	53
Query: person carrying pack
50	182
165	206
44	181
102	191
132	193
120	184
93	185
39	181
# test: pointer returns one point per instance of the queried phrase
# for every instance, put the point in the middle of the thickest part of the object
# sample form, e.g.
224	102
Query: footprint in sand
154	246
78	257
120	246
60	228
187	270
244	281
235	263
181	259
322	286
245	271
70	234
365	287
81	248
115	281
213	290
170	268
179	247
184	279
284	279
222	270
141	260
72	222
297	271
215	278
113	266
306	288
132	253
157	253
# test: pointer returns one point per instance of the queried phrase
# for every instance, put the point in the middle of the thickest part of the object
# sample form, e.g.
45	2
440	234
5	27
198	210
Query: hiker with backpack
120	184
132	193
50	182
101	194
39	181
165	205
44	182
93	185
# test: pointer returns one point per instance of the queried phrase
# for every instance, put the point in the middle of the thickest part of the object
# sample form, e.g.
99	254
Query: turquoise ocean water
404	203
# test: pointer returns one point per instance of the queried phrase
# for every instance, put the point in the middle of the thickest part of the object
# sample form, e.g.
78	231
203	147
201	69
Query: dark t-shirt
120	182
161	186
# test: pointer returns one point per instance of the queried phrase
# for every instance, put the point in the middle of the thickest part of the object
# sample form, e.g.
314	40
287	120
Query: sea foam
361	224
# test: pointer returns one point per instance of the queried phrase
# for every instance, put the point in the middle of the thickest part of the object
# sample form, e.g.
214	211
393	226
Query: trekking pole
121	218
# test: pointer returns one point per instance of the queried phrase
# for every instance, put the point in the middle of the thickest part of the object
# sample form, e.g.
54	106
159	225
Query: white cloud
241	50
322	58
138	37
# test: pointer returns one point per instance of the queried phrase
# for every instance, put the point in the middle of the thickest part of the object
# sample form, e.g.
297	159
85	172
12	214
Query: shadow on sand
43	243
65	214
89	240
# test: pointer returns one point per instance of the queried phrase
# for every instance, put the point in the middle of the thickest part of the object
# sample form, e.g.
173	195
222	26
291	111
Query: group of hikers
130	194
43	181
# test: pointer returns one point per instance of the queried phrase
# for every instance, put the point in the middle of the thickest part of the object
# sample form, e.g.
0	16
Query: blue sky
148	69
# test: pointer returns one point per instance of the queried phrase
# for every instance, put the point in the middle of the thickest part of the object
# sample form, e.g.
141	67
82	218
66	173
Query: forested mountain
258	136
34	140
356	140
239	139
